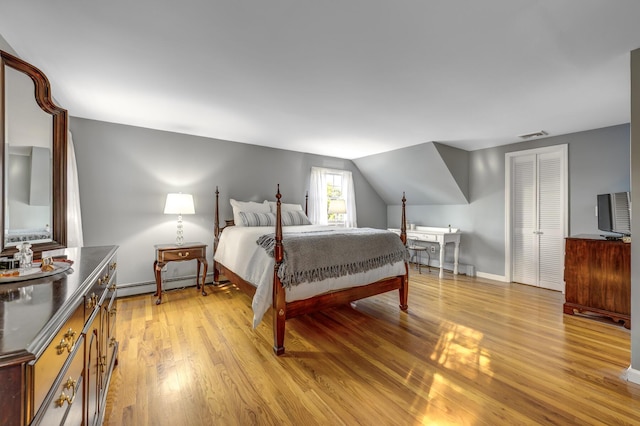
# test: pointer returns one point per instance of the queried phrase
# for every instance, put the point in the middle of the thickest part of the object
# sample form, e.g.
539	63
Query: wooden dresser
597	274
57	342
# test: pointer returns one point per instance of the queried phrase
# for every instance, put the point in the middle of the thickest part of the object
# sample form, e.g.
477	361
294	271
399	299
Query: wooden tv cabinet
597	274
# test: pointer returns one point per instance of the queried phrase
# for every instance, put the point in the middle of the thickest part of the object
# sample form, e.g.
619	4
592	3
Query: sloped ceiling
346	78
429	173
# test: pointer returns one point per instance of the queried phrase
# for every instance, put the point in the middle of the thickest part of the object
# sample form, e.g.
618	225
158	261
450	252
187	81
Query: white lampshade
337	206
179	204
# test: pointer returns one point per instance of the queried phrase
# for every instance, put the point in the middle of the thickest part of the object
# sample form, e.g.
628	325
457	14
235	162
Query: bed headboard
216	228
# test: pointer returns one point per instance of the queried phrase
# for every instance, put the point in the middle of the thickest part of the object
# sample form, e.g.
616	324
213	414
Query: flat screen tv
614	213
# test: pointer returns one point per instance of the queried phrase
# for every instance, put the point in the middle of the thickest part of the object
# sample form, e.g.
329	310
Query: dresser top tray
34	273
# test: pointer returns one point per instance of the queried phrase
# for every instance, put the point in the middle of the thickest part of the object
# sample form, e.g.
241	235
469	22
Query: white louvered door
550	221
538	218
524	245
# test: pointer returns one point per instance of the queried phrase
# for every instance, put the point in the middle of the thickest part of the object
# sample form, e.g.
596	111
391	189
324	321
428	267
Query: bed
36	235
255	259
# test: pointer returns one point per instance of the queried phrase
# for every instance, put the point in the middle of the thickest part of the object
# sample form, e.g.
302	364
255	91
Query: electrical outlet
433	249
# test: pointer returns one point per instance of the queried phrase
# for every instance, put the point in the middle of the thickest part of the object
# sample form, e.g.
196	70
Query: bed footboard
283	310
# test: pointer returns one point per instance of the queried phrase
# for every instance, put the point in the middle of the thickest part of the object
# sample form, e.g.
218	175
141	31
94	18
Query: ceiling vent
533	135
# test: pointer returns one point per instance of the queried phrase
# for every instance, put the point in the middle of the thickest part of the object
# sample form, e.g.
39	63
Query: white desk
437	235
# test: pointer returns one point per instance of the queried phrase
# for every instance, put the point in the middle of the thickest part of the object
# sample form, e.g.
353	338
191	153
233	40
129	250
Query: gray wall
6	47
598	163
125	173
429	173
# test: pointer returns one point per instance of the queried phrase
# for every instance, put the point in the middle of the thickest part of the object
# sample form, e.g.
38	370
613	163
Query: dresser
597	275
58	343
441	236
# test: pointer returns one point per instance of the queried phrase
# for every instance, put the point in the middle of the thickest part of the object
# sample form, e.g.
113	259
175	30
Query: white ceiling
344	78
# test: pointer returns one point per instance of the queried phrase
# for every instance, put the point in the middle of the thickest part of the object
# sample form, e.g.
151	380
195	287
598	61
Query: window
332	197
336	204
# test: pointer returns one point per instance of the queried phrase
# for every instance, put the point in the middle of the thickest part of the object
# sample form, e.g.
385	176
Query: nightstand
166	253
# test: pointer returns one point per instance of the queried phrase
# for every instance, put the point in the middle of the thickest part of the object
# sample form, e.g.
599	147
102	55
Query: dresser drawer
99	291
46	368
111	344
172	255
63	405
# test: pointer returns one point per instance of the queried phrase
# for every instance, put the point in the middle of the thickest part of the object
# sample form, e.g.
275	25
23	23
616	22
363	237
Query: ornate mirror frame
59	122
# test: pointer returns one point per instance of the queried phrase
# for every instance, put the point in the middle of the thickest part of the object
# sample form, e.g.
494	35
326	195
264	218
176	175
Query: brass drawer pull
71	384
113	265
61	347
70	334
113	311
183	255
93	301
102	363
67	342
112	342
112	287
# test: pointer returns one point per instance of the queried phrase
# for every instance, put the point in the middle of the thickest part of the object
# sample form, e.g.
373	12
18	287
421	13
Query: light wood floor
470	351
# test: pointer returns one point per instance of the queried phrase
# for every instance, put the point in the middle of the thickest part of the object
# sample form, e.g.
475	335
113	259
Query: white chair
417	254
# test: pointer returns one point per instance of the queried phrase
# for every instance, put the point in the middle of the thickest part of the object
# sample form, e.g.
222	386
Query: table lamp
179	203
337	207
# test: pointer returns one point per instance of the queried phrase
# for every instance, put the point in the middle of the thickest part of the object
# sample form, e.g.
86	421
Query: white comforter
238	251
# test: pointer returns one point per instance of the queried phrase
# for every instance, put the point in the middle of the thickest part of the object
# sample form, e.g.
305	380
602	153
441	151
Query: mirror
34	144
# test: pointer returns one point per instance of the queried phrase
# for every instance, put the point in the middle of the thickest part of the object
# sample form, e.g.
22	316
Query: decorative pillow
295	217
246	206
284	207
257	219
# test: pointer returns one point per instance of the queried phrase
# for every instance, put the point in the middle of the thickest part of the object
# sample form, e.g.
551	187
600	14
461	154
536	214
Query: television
614	213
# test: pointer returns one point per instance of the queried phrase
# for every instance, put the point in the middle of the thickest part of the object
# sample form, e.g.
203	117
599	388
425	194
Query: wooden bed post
216	225
403	222
279	304
216	236
404	289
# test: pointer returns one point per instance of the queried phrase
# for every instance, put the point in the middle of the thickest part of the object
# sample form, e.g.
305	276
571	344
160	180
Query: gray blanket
318	255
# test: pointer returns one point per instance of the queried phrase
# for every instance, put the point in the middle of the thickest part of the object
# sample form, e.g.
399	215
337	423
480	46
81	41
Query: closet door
524	215
538	216
550	221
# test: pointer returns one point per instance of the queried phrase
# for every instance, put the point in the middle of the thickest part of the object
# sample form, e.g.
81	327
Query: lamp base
179	232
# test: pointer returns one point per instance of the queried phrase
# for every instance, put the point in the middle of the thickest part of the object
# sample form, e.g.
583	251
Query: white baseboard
132	289
462	268
494	277
633	375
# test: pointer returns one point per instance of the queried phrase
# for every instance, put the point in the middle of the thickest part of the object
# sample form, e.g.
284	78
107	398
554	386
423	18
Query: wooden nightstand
166	253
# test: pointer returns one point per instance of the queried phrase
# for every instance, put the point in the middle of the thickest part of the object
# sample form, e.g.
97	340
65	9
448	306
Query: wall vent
537	134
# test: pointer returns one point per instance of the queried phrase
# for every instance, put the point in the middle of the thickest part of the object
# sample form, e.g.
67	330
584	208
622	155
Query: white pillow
285	207
246	206
294	217
257	219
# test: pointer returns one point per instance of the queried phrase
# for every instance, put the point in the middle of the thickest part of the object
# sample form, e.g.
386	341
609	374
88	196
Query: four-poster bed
237	262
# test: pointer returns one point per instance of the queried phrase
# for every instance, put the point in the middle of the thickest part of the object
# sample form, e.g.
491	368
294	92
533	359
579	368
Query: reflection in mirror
28	143
33	138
